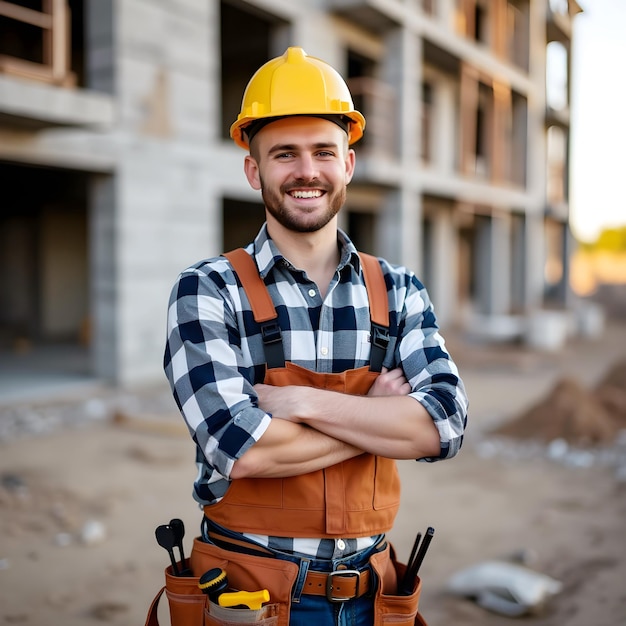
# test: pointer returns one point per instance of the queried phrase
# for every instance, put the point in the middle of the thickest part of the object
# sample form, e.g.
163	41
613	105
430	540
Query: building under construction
116	169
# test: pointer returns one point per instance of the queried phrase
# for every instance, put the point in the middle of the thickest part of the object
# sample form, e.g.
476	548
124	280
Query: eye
325	154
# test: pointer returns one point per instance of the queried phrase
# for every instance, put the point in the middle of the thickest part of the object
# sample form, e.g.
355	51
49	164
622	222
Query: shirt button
311	292
324	352
341	544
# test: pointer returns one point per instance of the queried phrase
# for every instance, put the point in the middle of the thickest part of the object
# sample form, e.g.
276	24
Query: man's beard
296	220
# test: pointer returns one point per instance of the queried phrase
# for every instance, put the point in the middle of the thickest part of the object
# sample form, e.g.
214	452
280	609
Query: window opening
36	40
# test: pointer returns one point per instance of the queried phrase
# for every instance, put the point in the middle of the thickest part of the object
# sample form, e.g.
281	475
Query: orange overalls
356	498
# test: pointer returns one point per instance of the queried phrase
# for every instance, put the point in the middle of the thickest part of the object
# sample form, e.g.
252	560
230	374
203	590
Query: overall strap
379	309
265	313
262	306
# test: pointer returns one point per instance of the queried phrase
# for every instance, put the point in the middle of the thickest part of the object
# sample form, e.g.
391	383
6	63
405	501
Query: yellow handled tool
252	599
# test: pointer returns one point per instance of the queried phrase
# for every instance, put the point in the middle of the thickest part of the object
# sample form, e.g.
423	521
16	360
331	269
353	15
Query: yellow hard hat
296	84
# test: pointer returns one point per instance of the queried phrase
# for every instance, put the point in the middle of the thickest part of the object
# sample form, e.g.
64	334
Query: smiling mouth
302	194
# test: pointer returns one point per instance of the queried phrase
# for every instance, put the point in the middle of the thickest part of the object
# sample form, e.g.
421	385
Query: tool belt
190	607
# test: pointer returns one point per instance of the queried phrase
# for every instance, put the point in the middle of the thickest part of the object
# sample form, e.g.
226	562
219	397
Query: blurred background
490	164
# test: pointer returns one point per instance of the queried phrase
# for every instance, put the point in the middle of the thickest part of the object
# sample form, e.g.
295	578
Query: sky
598	109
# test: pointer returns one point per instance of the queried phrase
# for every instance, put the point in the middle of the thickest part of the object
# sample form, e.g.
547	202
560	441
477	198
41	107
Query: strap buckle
379	336
270	332
343	573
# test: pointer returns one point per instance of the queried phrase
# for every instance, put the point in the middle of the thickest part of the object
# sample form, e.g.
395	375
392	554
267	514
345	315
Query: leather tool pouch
390	608
190	607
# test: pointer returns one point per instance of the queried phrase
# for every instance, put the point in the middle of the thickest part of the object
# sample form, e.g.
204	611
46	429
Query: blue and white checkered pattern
214	353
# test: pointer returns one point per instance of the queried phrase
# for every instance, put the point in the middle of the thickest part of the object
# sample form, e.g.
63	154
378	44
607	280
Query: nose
306	168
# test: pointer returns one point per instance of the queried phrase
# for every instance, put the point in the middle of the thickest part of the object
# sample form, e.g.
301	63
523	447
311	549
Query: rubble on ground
37	507
574	413
574	425
40	418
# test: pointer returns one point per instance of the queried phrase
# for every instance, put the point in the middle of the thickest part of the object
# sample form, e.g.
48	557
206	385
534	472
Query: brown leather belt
338	586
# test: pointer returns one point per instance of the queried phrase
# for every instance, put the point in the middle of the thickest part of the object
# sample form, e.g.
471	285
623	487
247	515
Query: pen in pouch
415	563
405	586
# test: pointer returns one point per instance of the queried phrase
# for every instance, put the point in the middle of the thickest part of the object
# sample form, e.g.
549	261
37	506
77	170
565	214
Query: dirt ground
79	505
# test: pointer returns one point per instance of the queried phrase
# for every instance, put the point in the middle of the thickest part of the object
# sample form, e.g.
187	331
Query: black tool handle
421	553
417	557
178	528
406	585
166	539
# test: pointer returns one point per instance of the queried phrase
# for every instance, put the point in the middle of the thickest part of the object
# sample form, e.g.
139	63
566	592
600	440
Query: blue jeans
309	609
319	611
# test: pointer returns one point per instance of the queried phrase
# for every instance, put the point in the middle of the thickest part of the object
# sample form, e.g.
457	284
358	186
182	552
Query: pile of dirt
578	415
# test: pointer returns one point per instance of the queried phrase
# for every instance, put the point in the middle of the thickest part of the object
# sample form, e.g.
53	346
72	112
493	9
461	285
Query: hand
390	383
281	402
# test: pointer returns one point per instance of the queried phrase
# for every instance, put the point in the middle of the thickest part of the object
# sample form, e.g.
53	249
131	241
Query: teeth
306	194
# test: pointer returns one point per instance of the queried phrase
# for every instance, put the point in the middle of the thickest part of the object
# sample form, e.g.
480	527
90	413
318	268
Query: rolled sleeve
203	365
431	372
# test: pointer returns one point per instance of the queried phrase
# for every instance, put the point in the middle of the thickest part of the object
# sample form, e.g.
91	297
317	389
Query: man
298	414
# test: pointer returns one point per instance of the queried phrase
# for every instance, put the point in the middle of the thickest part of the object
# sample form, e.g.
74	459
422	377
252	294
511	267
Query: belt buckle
344	572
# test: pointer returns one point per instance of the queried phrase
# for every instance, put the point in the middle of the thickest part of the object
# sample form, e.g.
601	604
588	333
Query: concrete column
518	262
537	105
99	39
569	247
483	251
500	287
536	158
214	73
535	262
493	264
104	297
403	71
165	220
443	265
399	207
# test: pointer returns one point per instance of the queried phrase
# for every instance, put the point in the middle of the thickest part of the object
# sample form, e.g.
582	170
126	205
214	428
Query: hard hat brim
353	125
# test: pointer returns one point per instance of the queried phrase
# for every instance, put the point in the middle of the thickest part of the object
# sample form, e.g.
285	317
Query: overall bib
356	498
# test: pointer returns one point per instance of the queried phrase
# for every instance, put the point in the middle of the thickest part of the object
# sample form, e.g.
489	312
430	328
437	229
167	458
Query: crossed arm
316	428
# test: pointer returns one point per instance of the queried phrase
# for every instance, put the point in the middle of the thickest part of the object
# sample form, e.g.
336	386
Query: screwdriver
214	584
252	599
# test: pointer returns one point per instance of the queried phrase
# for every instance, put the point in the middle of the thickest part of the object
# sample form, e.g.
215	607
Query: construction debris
570	412
506	588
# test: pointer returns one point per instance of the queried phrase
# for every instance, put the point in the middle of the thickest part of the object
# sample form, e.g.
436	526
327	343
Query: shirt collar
267	255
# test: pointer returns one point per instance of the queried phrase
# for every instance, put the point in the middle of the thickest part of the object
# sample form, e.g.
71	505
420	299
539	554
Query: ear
251	170
350	164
